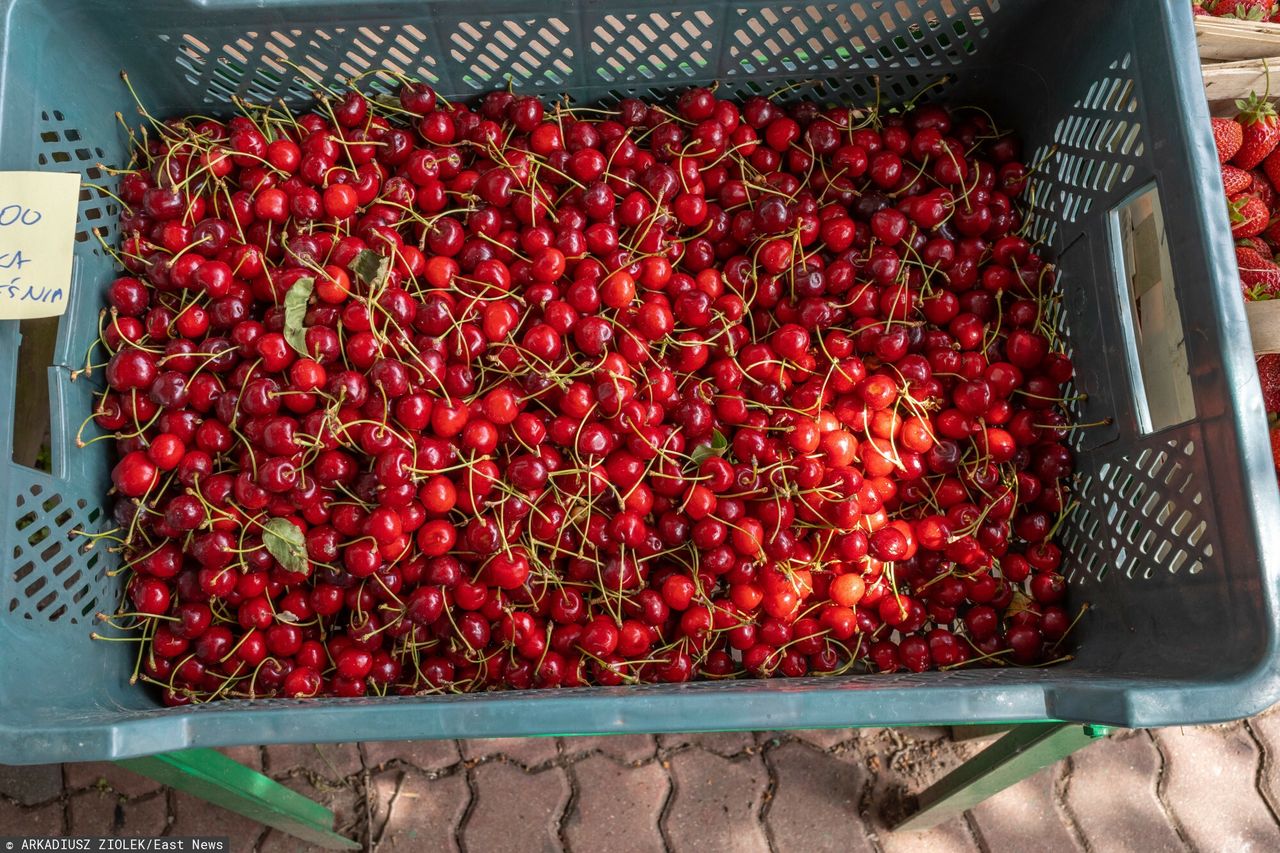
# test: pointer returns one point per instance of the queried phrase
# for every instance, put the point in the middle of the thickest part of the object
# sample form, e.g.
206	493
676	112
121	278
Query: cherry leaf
1021	601
718	445
371	268
295	312
284	541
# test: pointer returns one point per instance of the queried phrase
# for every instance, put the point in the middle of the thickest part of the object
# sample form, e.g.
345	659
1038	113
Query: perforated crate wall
57	574
1143	513
1094	155
62	148
624	52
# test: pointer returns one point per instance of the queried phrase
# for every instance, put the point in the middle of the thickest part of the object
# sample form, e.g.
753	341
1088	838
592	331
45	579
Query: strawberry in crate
1249	153
1269	376
1245	10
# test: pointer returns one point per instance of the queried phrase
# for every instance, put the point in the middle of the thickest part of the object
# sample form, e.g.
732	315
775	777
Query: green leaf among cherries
284	541
717	446
295	312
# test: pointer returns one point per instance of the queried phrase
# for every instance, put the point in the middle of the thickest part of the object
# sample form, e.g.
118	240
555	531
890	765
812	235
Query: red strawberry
1262	187
1259	245
1259	277
1269	374
1264	190
1249	216
1228	136
1272	232
1261	129
1275	448
1245	10
1235	181
1271	166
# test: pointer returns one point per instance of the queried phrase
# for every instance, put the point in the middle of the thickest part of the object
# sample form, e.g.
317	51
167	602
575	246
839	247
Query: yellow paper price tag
37	237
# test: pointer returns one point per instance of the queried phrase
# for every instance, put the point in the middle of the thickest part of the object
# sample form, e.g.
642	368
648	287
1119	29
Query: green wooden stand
211	776
1020	753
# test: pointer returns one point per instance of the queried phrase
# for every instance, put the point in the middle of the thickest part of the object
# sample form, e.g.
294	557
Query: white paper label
37	238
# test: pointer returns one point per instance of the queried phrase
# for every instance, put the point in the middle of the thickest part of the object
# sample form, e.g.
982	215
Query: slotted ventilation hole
264	66
535	53
656	46
1146	510
62	148
1094	153
834	37
55	575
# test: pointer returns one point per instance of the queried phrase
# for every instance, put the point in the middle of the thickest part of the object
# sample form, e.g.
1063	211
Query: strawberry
1235	181
1262	188
1259	245
1245	10
1269	374
1249	215
1259	277
1271	166
1228	136
1261	130
1272	232
1275	448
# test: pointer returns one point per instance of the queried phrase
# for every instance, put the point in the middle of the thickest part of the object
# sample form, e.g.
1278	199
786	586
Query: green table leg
1024	750
213	777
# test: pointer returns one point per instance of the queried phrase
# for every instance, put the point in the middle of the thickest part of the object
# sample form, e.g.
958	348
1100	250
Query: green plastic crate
1168	544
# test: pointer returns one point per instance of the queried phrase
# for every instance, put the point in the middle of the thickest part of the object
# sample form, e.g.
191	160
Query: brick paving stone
276	841
349	817
515	811
424	754
628	748
194	816
332	761
823	739
1025	817
915	755
106	813
32	784
715	803
950	837
1120	769
341	799
901	763
721	743
102	774
618	808
526	751
249	756
41	820
1209	786
411	811
815	802
1266	729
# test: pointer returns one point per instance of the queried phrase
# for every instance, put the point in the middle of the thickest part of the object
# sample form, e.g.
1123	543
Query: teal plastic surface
1168	543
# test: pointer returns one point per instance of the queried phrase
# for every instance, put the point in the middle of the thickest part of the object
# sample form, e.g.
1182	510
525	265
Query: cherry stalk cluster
410	396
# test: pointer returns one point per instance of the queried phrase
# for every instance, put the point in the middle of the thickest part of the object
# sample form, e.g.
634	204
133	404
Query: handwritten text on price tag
37	237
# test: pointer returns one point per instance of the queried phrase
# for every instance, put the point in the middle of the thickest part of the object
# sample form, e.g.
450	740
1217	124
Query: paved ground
1212	789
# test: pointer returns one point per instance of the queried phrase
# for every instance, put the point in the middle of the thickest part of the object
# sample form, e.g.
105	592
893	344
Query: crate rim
789	704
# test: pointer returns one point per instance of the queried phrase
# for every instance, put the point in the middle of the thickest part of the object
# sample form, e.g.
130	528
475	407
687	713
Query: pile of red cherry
412	396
